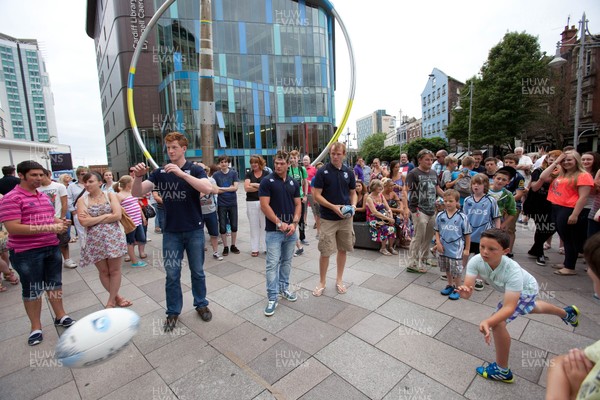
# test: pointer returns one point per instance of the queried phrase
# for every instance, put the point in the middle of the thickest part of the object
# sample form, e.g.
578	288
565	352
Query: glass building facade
273	75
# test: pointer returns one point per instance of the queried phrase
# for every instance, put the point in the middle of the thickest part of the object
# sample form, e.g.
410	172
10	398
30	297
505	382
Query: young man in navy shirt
179	184
279	197
334	188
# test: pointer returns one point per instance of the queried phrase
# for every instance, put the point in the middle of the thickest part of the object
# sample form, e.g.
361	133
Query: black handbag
149	211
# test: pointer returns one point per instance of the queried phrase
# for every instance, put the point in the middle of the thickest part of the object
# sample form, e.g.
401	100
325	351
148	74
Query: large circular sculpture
136	54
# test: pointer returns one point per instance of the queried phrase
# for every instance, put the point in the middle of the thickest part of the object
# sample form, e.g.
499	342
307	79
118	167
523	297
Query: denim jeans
160	218
280	251
174	244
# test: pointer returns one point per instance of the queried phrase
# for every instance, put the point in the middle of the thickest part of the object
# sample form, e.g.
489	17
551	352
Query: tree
372	147
507	98
414	146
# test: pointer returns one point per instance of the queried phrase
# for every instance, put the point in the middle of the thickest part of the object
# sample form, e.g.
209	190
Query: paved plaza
391	336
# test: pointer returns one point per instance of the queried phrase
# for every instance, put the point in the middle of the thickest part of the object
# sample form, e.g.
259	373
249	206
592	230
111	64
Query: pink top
132	207
30	209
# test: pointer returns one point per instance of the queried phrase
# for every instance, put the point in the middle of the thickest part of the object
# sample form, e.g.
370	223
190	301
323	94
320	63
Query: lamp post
558	61
459	108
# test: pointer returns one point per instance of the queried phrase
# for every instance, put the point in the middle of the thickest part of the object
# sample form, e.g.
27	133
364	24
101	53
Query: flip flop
254	254
318	291
561	272
144	255
416	270
341	289
3	288
123	302
127	259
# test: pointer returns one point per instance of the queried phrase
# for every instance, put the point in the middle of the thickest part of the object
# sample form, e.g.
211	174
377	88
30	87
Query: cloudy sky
396	45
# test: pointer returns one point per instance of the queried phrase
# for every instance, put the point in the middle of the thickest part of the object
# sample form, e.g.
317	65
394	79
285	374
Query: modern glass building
274	75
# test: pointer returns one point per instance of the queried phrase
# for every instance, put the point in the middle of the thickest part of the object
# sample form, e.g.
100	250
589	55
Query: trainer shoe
65	321
454	295
139	264
70	263
572	317
305	242
478	284
289	296
447	290
225	251
495	373
217	256
270	309
35	337
234	249
298	252
541	260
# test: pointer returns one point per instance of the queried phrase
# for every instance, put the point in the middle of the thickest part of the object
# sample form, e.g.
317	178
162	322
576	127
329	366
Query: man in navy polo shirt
279	197
334	188
179	184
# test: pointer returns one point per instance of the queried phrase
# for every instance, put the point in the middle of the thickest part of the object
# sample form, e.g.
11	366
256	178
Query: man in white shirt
524	165
58	197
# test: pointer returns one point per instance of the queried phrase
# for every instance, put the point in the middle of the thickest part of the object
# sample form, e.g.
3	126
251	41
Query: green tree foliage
372	147
416	145
508	97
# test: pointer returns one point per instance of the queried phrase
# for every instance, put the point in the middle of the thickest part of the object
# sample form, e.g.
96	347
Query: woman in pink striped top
133	209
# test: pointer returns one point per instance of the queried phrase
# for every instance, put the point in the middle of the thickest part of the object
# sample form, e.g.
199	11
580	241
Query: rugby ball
347	211
97	337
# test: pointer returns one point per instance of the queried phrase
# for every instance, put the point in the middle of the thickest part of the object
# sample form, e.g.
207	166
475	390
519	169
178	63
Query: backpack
463	186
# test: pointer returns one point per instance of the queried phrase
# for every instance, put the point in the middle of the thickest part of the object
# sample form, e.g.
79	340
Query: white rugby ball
97	337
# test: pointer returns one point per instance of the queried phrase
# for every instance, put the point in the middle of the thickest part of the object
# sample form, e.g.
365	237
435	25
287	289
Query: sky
396	46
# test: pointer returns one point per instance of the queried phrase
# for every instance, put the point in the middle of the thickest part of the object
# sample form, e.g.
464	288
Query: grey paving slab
151	335
348	317
155	290
482	388
75	286
352	359
234	298
246	278
218	379
17	355
353	276
282	318
78	301
19	385
378	268
416	385
421	352
553	339
214	283
309	334
363	297
224	268
141	277
335	388
323	307
147	386
222	321
384	285
189	350
302	379
278	360
145	305
68	391
426	297
373	328
245	341
410	315
21	326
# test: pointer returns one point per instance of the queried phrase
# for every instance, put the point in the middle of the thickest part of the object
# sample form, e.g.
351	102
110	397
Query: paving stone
323	307
151	335
352	359
68	391
553	339
78	301
131	291
363	297
265	395
155	290
141	277
283	316
384	285
224	268
189	350
348	317
217	379
234	298
17	355
373	328
333	388
246	278
245	341
278	360
148	386
222	321
309	334
214	283
416	385
19	383
424	296
145	305
421	352
353	276
413	316
302	379
21	326
489	390
378	268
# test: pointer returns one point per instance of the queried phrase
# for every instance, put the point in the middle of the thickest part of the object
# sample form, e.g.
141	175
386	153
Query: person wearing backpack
461	180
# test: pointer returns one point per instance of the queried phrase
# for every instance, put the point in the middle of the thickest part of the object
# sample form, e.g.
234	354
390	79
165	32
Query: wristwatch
279	225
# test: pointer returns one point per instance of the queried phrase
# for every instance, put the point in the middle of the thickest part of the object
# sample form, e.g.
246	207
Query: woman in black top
255	215
360	214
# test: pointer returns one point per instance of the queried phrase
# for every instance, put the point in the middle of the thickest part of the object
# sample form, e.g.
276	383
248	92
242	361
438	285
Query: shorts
137	236
64	238
447	264
315	207
336	235
212	224
512	227
474	249
39	270
525	305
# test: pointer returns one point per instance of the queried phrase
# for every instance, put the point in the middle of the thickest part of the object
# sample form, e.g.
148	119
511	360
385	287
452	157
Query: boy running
520	290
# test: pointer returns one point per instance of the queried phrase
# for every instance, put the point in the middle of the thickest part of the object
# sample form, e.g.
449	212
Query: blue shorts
137	236
39	270
212	223
525	305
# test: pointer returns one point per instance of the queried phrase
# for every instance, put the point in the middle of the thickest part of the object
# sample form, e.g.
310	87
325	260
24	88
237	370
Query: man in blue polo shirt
179	184
279	197
334	188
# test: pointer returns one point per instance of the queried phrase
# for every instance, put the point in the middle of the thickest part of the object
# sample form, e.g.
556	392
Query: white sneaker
217	256
70	263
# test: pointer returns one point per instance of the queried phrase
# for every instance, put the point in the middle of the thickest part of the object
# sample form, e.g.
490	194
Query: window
589	103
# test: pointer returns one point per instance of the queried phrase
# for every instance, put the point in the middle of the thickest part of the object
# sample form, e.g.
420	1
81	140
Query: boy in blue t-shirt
520	290
481	210
452	238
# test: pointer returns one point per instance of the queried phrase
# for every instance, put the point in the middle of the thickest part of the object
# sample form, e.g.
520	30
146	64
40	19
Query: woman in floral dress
380	219
105	245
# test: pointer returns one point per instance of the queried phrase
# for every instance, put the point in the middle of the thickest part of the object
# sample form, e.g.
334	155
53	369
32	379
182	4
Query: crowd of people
462	212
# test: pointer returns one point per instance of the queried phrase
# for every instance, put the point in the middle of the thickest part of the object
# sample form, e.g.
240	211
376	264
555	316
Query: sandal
393	251
73	240
561	250
385	252
254	254
11	278
342	289
3	288
565	272
144	255
318	291
123	302
127	259
416	270
547	246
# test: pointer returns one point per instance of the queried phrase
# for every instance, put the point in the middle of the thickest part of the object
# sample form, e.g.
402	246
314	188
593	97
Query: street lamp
459	108
558	61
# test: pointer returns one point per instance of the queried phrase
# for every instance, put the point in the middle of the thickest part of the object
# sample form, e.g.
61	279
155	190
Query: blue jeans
174	244
280	251
159	222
